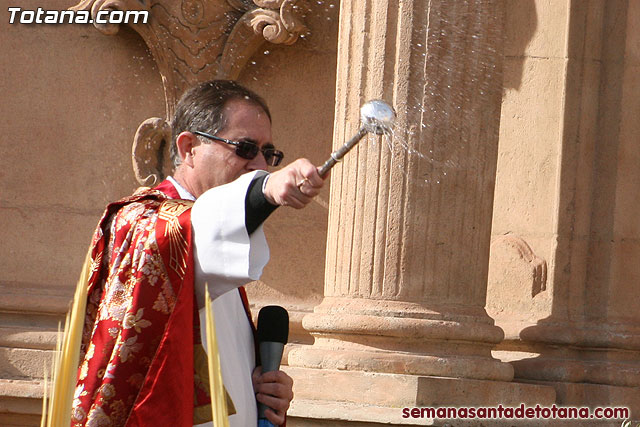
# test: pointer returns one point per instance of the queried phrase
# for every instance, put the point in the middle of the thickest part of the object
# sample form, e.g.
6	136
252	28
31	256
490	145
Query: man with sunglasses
154	253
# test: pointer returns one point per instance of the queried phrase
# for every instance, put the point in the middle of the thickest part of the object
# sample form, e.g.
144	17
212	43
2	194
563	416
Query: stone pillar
410	221
408	243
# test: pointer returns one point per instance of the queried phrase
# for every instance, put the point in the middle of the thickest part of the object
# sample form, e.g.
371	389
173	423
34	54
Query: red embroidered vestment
141	329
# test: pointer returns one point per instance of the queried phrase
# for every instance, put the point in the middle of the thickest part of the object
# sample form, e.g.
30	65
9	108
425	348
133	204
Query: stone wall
563	267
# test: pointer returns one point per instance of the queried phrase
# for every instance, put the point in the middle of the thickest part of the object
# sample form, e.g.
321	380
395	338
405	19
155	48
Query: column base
575	379
615	373
597	395
454	366
561	363
20	402
402	338
343	398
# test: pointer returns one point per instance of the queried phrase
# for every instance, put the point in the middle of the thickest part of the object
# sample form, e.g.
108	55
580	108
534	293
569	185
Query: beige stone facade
487	254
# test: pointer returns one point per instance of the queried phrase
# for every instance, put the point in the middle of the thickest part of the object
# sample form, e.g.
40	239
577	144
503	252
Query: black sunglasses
249	150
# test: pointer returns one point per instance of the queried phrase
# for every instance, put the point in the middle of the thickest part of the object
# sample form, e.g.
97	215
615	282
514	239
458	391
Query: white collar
182	192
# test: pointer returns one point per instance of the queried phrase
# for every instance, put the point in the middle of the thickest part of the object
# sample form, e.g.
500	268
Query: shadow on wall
512	261
521	22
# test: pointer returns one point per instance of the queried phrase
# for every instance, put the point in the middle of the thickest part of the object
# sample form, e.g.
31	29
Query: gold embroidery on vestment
169	212
84	369
95	264
161	304
135	321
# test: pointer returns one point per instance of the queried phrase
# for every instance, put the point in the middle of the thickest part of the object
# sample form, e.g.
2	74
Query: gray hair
201	108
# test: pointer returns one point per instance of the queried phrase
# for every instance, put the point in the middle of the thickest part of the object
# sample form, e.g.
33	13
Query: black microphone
273	332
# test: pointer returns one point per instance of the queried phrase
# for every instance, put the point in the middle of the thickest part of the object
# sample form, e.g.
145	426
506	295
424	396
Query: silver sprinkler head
377	117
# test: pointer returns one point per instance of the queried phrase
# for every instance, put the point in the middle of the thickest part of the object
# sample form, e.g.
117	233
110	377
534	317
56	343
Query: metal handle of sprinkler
337	155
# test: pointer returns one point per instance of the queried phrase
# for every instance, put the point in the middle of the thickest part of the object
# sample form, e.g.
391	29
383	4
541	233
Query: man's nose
257	163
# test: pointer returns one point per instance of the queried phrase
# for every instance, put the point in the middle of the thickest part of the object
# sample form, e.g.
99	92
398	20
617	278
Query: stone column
408	243
410	219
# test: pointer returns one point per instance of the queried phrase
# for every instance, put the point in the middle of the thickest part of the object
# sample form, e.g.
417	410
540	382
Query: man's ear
186	142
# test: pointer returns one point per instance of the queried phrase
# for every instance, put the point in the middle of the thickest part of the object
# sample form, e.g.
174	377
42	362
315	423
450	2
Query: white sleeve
225	256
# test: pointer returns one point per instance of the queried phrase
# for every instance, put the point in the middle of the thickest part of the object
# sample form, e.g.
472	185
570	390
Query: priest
142	360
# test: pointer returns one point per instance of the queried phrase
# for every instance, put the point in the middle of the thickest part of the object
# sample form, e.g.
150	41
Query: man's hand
294	185
274	389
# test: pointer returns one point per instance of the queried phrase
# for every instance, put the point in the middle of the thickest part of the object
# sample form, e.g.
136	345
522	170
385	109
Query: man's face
215	162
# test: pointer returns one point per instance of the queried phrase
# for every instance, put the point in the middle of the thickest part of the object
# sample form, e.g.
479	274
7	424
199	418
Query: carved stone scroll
150	151
517	285
276	26
193	41
522	251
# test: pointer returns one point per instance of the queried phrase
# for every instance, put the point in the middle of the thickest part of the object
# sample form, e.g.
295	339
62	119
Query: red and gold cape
141	359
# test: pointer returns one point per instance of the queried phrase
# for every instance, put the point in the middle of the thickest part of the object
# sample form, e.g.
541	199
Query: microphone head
273	324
